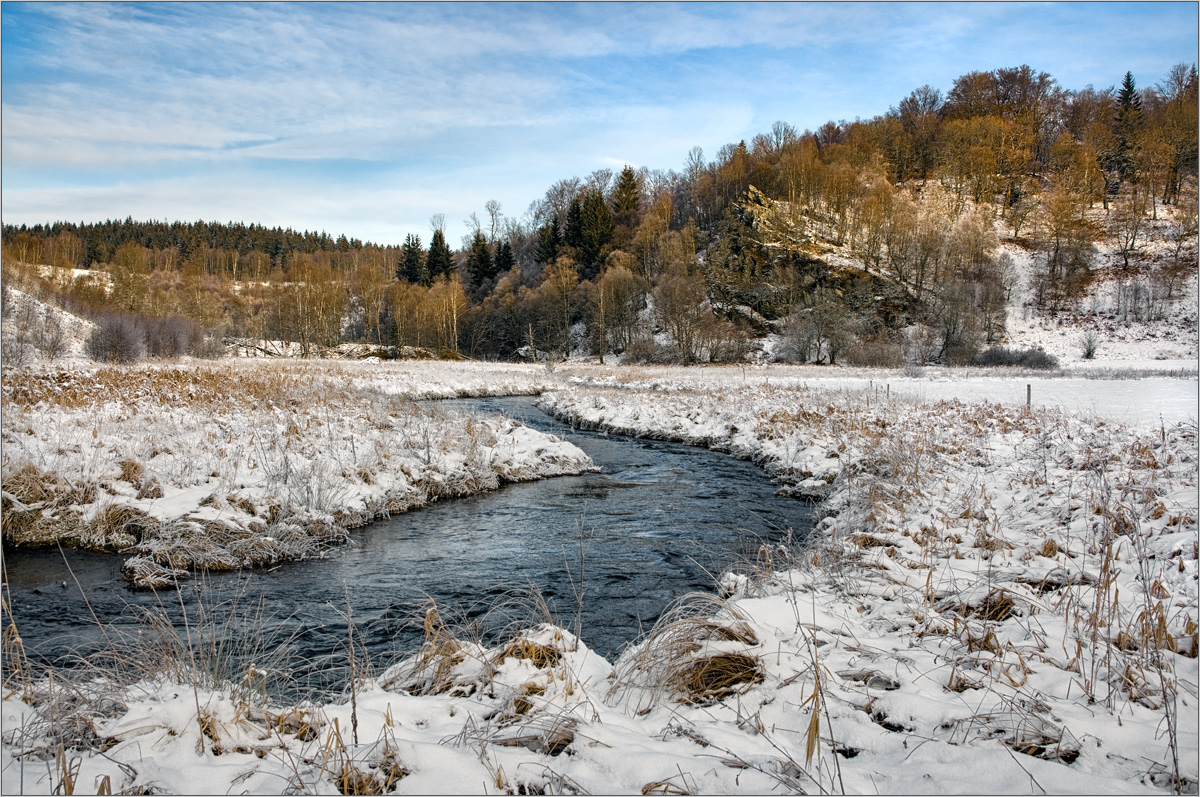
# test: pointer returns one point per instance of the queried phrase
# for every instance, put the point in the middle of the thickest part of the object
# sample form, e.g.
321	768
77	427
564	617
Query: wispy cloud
201	110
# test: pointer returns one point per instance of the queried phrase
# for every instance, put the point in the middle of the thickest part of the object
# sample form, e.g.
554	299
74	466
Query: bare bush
116	339
170	337
1029	358
645	351
875	354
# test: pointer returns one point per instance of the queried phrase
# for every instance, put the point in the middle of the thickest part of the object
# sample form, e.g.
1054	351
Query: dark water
655	523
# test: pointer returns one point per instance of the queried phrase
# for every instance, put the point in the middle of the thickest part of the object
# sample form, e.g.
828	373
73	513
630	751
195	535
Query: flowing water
659	520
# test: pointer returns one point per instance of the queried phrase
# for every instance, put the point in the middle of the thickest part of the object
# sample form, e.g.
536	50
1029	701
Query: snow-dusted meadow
998	600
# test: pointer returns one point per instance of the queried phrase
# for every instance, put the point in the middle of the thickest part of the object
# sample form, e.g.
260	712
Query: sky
367	119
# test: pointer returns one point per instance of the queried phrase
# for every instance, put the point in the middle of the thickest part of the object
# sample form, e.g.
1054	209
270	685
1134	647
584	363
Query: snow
959	614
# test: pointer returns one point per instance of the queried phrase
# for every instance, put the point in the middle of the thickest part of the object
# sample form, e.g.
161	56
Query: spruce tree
598	226
1129	119
440	261
627	194
547	243
504	259
573	235
412	261
479	261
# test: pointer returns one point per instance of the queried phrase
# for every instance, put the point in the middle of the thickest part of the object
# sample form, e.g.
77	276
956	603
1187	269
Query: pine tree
479	261
573	235
412	261
504	259
598	226
627	194
440	262
547	243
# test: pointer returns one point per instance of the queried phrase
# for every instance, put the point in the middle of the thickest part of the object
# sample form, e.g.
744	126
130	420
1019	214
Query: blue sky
366	119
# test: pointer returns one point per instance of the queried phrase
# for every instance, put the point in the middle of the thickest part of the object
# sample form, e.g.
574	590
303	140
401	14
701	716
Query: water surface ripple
656	522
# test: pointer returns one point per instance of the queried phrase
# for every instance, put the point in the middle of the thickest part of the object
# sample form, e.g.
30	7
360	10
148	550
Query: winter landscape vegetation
959	336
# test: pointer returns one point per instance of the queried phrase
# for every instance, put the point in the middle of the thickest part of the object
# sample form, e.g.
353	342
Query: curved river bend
656	522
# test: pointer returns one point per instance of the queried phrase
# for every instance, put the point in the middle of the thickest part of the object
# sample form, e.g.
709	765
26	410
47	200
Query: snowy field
1135	393
994	594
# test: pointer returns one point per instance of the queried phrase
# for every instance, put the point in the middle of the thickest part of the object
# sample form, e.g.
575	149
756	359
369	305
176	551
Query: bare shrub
15	351
875	354
645	351
116	339
172	336
49	336
1036	359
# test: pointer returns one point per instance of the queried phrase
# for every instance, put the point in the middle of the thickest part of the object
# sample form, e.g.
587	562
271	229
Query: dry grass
696	653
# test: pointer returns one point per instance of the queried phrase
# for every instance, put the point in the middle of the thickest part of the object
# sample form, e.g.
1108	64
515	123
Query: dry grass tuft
695	654
40	508
705	681
142	572
435	669
539	655
132	471
119	527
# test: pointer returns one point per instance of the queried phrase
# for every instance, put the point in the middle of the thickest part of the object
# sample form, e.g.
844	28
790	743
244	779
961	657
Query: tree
440	261
546	250
573	232
504	260
1064	237
627	196
1129	121
480	267
1128	230
557	291
597	227
412	261
680	305
919	114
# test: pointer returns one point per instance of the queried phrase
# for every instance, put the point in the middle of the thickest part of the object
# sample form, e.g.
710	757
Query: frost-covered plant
116	339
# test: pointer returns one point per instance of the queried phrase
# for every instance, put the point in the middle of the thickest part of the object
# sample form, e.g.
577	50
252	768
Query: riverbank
219	466
990	580
997	597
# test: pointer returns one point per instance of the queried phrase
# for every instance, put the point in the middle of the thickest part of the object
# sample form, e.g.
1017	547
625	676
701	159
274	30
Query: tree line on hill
841	239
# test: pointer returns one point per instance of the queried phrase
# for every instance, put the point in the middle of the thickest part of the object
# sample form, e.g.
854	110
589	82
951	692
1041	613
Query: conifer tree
479	261
627	194
504	259
598	226
547	243
573	235
440	262
412	261
1129	118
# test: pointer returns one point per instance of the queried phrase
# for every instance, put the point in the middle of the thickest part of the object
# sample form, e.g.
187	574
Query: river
660	519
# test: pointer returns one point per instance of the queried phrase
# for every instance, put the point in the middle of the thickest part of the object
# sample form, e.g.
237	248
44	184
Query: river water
652	525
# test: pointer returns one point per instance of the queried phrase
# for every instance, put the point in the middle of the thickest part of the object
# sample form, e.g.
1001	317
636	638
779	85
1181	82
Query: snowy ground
995	594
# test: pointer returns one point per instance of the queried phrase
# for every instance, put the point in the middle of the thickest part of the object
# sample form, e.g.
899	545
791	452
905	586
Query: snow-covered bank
219	466
995	576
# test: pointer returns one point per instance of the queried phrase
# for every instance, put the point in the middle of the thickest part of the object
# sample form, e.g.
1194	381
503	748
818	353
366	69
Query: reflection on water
661	519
